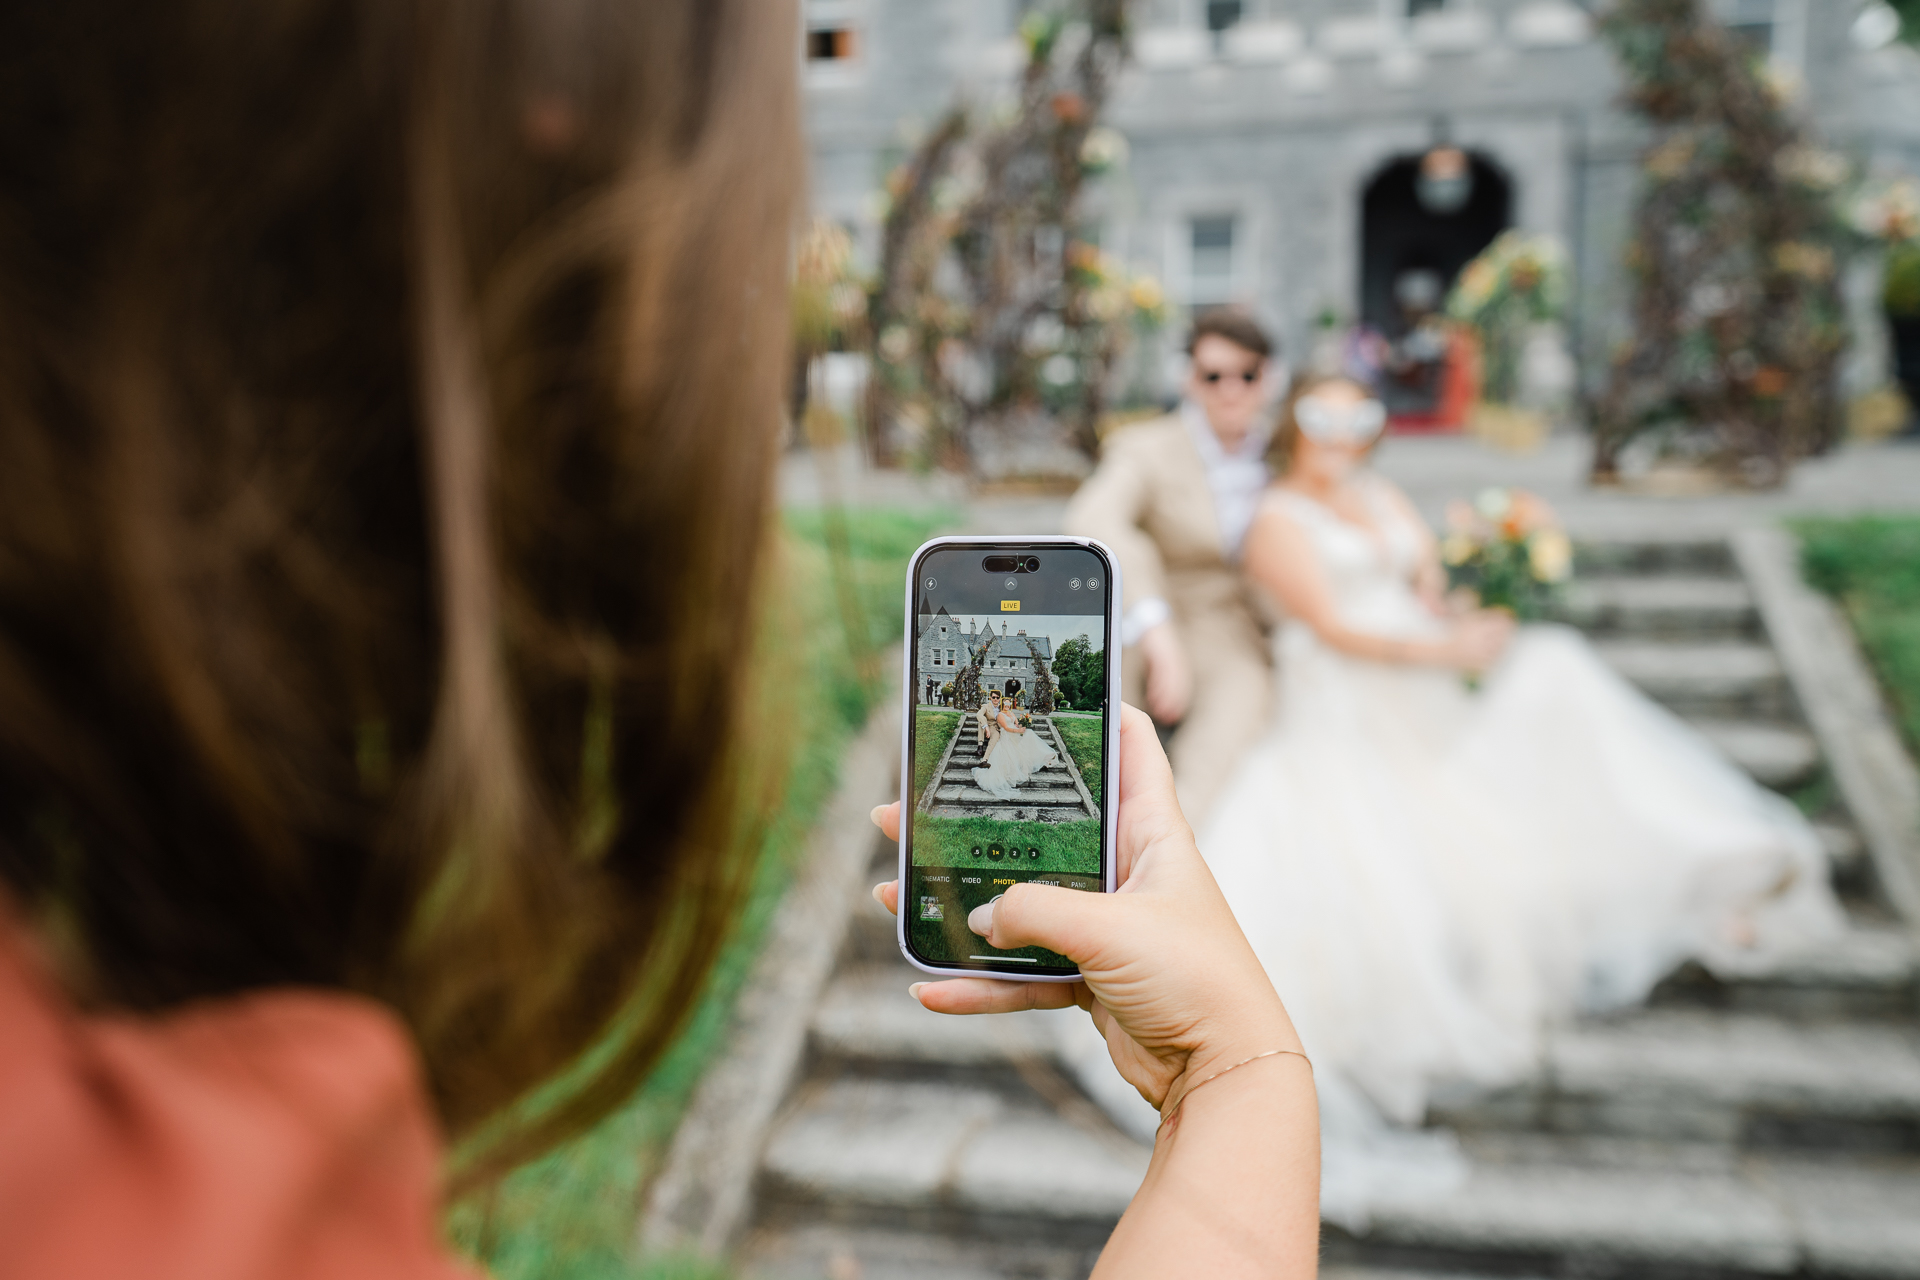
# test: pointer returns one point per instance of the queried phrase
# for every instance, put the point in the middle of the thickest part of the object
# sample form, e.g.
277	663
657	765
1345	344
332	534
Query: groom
1173	497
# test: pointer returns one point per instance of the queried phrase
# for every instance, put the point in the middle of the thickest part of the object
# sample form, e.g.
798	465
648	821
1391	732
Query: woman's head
1329	427
388	394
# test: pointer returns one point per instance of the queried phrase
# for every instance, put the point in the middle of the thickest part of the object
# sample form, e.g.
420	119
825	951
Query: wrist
1198	1091
1244	1034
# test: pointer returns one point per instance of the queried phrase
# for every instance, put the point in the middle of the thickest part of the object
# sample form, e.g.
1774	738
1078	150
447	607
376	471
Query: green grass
1871	565
933	728
1085	739
571	1215
1072	848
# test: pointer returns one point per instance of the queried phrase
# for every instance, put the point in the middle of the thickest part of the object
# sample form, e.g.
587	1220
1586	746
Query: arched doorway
1423	218
1400	231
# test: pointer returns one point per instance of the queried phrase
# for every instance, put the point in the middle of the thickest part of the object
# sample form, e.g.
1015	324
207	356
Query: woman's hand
1166	973
1232	1190
1477	640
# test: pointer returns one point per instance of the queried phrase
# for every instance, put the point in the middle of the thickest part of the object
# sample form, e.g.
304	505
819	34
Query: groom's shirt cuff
1141	618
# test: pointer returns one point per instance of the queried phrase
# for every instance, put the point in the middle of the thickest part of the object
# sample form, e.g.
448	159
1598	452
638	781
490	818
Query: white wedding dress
1017	755
1431	873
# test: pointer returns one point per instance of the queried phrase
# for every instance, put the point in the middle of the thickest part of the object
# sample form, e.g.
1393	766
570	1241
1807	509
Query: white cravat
1236	480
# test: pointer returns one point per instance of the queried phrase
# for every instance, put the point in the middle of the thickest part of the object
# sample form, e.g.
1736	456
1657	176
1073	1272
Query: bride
1431	873
1017	753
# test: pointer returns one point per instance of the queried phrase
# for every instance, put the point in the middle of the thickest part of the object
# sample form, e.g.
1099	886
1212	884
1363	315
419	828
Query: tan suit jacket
1150	502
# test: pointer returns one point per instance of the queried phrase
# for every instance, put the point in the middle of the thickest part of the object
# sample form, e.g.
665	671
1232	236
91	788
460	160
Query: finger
887	894
887	818
984	995
1143	761
1149	809
1037	915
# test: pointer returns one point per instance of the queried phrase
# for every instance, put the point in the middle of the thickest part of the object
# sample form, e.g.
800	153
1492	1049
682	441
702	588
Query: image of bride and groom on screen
1010	751
1441	831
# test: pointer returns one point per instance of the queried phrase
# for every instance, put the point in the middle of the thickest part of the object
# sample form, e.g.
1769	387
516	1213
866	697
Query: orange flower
1069	108
1769	380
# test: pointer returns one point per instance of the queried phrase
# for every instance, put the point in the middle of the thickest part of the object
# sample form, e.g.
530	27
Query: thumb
1040	915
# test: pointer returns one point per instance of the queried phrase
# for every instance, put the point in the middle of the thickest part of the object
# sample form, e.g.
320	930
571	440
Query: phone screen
1008	750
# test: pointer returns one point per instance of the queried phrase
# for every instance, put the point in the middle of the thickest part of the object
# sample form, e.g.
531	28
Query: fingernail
914	990
873	815
980	919
877	890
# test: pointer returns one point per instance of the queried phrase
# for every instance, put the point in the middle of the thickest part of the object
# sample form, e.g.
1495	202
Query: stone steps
1745	1079
973	1164
1683	606
1653	554
1049	796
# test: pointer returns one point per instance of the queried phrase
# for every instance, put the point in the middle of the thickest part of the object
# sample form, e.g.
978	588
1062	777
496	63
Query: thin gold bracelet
1168	1115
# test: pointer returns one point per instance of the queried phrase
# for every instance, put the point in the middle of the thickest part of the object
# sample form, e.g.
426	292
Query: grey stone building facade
943	648
1271	141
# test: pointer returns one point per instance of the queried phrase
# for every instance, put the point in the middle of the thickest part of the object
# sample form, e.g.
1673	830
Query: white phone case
1110	763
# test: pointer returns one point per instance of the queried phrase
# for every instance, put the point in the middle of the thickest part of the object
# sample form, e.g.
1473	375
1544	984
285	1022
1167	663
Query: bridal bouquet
1506	551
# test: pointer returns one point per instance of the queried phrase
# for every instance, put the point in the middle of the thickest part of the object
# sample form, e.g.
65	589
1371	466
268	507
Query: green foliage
1071	848
969	321
571	1215
933	728
1871	564
1900	295
1909	11
1085	740
1080	671
1736	254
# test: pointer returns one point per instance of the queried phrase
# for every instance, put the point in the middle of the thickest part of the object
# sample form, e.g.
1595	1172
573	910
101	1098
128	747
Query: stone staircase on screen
1767	1127
1055	794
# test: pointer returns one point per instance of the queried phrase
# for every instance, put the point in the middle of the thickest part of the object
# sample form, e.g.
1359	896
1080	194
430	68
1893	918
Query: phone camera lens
1033	564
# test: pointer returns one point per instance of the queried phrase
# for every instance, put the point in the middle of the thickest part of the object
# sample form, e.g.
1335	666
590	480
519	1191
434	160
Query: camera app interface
1009	739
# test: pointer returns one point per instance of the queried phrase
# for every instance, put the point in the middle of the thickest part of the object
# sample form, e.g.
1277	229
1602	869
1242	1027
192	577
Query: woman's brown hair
388	397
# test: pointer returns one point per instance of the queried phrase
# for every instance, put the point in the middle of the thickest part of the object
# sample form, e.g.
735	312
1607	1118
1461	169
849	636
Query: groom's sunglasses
1212	377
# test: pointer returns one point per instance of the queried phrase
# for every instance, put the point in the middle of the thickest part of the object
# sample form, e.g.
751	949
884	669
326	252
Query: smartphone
1010	741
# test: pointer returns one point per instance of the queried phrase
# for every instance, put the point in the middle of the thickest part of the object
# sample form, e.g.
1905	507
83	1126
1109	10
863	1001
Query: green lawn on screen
1071	848
1085	739
933	728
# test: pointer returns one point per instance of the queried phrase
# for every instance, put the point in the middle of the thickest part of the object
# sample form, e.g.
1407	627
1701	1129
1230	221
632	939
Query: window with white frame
1211	245
1222	14
833	37
1751	22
